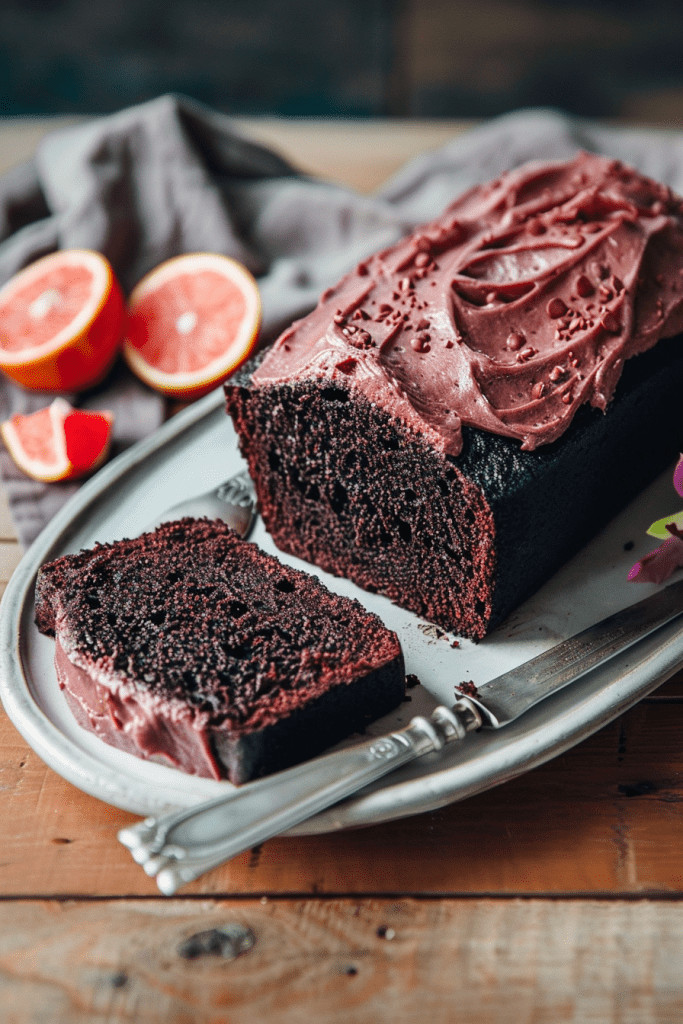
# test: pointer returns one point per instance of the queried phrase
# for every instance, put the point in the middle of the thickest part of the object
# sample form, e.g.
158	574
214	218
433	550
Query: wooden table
553	898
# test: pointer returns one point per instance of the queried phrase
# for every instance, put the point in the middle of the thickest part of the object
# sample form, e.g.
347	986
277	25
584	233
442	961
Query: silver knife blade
505	698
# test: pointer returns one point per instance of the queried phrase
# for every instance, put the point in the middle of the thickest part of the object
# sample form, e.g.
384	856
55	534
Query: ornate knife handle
181	846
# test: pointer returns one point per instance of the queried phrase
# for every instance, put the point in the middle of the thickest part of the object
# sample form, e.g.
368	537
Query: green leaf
659	529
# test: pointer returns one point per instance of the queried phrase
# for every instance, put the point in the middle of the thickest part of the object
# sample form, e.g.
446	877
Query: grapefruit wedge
61	321
191	322
58	442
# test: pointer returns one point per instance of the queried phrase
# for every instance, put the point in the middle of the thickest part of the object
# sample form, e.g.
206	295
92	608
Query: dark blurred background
346	58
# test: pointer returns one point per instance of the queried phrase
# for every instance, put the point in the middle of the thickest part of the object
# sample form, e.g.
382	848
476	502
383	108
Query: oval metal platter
197	450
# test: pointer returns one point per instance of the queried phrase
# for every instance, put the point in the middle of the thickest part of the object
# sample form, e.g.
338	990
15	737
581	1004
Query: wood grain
404	961
606	817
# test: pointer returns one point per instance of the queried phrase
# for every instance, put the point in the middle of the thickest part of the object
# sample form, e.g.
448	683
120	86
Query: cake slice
460	414
193	647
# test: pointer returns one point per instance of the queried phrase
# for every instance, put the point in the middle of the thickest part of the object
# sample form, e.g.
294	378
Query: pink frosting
519	304
133	721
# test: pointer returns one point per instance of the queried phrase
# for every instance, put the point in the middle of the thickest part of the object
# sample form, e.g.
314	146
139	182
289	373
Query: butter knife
178	847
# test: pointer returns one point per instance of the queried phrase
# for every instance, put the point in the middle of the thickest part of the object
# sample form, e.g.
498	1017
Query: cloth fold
171	176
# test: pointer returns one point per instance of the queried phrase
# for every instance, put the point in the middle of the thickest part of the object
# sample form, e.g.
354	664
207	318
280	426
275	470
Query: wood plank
404	961
330	149
20	136
7	531
606	817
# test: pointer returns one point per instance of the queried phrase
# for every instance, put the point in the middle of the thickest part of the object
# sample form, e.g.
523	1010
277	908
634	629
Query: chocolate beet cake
193	647
460	414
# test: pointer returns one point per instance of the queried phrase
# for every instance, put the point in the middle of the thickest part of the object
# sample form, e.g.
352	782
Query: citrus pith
58	442
61	321
191	322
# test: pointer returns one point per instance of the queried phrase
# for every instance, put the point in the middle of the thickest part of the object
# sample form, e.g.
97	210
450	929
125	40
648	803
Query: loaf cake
193	647
464	410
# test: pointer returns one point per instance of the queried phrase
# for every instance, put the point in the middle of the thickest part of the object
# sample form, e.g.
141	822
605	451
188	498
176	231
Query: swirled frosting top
517	305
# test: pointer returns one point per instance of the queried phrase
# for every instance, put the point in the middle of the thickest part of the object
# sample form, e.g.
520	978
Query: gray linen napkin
171	176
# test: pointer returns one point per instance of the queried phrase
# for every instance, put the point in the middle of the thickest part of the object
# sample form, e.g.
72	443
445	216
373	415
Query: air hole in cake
404	531
384	537
297	482
335	395
190	681
338	498
410	495
111	619
172	577
313	493
158	616
350	459
442	485
273	460
390	443
285	586
92	600
480	608
237	652
236	609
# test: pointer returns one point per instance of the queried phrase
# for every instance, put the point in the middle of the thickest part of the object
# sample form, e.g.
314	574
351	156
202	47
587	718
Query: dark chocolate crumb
431	631
466	689
629	545
412	680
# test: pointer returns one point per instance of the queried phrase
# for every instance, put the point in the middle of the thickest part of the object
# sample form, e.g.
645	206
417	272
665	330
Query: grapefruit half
58	442
191	322
61	321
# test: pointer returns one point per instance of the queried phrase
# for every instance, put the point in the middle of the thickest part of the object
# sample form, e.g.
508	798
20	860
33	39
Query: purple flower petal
678	476
660	563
